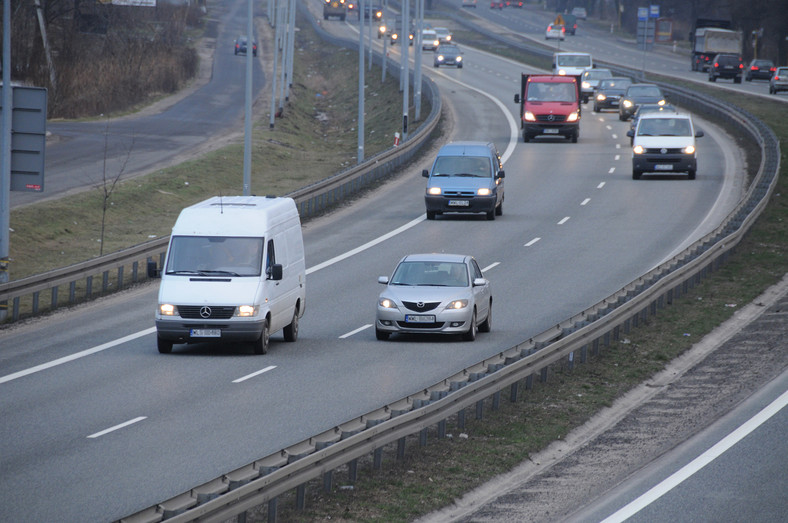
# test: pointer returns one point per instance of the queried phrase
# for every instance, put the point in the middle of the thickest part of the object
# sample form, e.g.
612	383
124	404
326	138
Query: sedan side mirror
383	279
479	282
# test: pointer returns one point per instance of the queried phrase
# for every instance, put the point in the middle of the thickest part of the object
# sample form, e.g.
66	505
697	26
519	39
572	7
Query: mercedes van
234	272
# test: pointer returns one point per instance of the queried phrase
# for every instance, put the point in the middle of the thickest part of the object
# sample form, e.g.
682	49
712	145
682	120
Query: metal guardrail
311	201
264	480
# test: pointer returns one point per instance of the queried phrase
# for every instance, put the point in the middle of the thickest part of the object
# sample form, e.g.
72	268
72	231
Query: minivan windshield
473	166
215	255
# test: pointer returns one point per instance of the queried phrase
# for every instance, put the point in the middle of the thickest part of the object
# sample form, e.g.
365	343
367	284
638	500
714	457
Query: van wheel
260	346
691	174
525	138
165	346
574	137
471	334
636	174
291	331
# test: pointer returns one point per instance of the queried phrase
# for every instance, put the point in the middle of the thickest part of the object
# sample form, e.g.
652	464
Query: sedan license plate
551	131
663	167
459	203
206	333
419	318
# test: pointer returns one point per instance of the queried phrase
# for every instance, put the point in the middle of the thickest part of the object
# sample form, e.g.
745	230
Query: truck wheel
260	345
596	108
165	346
291	331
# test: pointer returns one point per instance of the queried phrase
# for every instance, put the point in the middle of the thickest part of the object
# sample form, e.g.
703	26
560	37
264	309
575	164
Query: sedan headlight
690	149
166	309
601	97
529	116
457	304
661	102
627	103
434	191
246	311
387	303
459	58
440	57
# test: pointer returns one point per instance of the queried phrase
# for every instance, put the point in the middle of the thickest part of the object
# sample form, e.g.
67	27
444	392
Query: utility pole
361	78
5	153
247	188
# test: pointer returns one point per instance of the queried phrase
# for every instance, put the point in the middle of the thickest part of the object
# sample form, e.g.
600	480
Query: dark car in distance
609	92
728	66
448	54
240	45
760	70
637	95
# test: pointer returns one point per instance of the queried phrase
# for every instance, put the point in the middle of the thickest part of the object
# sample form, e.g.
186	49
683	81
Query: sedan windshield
442	274
644	91
215	255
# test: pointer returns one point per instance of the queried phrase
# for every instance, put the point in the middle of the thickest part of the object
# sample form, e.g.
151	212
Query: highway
97	424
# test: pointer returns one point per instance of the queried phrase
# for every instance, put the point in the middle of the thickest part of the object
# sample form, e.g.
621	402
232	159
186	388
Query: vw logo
420	305
663	151
205	312
550	118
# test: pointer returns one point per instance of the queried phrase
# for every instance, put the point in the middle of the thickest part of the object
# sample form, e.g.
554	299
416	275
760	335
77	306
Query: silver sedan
435	293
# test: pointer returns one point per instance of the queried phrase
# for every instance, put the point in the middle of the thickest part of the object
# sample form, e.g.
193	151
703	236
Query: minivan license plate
420	318
206	333
459	203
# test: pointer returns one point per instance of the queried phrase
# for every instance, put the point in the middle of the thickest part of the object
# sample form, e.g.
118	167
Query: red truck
549	106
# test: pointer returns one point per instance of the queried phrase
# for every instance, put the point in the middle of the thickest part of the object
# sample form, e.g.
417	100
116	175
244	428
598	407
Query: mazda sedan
435	294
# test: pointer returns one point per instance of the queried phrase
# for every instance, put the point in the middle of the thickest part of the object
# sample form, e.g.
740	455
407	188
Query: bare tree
108	182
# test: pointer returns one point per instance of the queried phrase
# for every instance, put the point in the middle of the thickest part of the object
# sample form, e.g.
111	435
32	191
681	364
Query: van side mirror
425	173
276	272
698	133
153	271
631	133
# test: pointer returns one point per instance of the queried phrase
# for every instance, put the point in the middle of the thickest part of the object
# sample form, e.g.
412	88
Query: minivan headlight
434	191
484	191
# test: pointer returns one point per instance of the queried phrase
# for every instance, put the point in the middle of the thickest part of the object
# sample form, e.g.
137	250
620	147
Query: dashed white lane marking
116	427
252	375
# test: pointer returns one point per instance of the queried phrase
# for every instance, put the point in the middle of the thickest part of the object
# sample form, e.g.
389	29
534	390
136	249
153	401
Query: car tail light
741	66
753	68
772	69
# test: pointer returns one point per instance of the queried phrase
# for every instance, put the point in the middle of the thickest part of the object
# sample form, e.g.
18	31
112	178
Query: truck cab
549	106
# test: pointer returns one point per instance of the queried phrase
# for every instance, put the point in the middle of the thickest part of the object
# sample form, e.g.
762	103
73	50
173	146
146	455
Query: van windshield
215	255
573	60
472	166
664	127
552	92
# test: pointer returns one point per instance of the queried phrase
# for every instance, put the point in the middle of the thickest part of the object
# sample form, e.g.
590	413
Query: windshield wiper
228	273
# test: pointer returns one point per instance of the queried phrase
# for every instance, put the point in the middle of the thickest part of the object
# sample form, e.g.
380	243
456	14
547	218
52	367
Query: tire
431	215
260	345
459	66
291	331
574	136
691	174
622	117
165	346
749	79
737	80
636	174
486	325
491	214
499	209
472	330
381	335
596	108
525	138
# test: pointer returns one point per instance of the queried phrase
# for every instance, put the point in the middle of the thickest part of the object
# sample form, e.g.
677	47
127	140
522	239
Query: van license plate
663	167
459	203
419	318
206	333
551	131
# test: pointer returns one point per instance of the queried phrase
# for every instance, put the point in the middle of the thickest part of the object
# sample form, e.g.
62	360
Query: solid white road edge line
698	463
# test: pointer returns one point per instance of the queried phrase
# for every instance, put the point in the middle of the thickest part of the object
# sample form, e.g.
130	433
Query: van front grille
206	312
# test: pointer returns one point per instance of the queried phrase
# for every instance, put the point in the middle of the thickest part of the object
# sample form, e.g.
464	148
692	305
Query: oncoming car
437	294
448	54
466	177
664	143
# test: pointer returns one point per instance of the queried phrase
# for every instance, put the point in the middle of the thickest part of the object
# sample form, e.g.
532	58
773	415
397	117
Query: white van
571	64
234	272
664	142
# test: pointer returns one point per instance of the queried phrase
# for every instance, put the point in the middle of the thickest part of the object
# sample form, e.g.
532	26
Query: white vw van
234	272
571	64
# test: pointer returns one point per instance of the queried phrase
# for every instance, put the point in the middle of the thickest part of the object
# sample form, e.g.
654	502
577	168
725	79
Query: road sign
28	138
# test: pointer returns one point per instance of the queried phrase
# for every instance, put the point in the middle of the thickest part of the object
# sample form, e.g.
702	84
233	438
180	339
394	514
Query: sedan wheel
381	335
471	334
486	325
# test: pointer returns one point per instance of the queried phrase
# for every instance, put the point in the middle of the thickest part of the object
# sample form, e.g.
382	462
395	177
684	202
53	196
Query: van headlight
246	311
562	72
529	116
586	85
484	191
690	149
573	117
167	309
638	149
434	191
661	102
